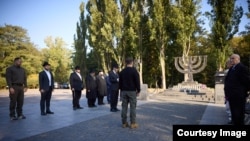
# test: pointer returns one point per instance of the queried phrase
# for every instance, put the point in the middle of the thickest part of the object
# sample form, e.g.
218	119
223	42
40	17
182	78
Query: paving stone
155	117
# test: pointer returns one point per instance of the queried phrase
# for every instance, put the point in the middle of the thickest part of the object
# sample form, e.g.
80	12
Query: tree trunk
140	72
162	63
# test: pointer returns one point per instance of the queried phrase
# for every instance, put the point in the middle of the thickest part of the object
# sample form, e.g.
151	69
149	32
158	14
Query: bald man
236	87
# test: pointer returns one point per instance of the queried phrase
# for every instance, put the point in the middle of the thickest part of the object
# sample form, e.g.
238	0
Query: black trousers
237	107
114	99
45	100
100	99
76	95
108	94
16	101
91	102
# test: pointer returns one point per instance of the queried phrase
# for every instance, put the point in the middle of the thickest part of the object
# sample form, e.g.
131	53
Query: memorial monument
189	65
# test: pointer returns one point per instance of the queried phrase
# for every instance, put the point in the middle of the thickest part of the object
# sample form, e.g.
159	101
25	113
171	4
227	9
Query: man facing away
17	83
236	87
76	84
46	86
129	84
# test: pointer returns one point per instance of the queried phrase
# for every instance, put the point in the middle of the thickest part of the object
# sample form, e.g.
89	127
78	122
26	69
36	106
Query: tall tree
58	56
183	24
131	42
104	26
80	47
225	18
158	11
244	44
247	31
14	42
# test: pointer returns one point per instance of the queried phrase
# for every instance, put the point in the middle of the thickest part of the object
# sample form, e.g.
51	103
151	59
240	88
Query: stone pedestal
219	87
144	92
219	94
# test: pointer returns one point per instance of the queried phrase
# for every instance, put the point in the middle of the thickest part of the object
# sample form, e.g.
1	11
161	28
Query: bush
3	83
32	81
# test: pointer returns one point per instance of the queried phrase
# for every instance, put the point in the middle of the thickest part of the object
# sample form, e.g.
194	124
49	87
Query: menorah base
192	86
189	83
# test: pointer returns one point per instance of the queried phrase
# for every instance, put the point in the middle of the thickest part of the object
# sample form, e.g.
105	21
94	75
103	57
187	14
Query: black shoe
49	112
113	110
117	109
79	107
74	108
21	117
13	118
43	114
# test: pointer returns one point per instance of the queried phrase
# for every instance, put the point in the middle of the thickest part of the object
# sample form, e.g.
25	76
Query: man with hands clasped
46	86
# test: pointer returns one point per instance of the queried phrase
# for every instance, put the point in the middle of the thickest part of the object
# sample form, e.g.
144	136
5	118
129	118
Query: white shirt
79	75
49	76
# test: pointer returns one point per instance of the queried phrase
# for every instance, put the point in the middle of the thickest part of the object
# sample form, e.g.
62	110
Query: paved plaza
155	117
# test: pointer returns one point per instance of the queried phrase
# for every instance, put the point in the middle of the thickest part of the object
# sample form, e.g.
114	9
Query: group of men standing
126	82
96	88
237	84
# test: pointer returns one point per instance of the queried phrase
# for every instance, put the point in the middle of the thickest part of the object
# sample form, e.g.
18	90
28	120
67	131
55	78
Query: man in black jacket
91	88
129	84
236	87
76	84
17	83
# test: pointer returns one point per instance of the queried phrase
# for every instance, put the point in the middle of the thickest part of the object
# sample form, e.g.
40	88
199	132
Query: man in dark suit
91	88
46	86
76	85
108	87
114	79
236	87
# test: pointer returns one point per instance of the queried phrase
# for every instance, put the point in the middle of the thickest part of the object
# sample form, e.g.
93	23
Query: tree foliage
59	57
158	12
156	31
225	24
104	26
79	56
14	42
153	32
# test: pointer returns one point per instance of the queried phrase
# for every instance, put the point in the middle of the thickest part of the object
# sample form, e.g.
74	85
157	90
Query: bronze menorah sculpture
189	65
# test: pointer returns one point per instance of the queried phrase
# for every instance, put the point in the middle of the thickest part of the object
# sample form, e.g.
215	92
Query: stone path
155	117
